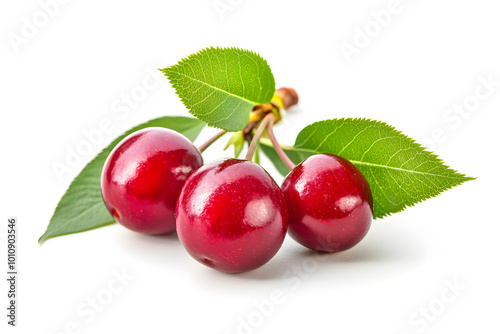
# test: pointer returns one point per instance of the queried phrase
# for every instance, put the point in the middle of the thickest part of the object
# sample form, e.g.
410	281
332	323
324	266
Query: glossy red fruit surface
330	203
143	176
231	215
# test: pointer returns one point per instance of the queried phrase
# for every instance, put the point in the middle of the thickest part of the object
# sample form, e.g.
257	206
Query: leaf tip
42	238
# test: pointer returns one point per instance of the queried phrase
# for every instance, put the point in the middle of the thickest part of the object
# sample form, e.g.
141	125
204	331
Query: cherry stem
212	140
257	135
286	160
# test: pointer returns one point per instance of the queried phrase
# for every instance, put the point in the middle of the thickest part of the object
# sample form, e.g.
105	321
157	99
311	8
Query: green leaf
238	141
256	155
400	171
296	155
238	147
220	86
81	208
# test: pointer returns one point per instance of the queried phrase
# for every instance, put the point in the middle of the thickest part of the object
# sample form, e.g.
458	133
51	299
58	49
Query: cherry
330	203
231	215
143	176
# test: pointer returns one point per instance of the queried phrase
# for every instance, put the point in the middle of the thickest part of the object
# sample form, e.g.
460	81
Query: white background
431	55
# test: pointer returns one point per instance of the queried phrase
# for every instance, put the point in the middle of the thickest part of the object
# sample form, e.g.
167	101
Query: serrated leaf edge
171	68
459	176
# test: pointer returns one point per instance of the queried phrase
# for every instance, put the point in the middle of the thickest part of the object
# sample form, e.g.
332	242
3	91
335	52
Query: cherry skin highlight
143	176
231	215
330	203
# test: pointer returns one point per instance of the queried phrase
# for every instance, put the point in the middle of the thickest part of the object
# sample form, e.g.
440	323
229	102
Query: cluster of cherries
230	214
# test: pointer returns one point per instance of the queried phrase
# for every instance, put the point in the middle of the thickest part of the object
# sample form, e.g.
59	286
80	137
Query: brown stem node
288	95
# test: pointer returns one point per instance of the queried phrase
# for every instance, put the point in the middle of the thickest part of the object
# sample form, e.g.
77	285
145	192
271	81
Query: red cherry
231	215
143	176
330	203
